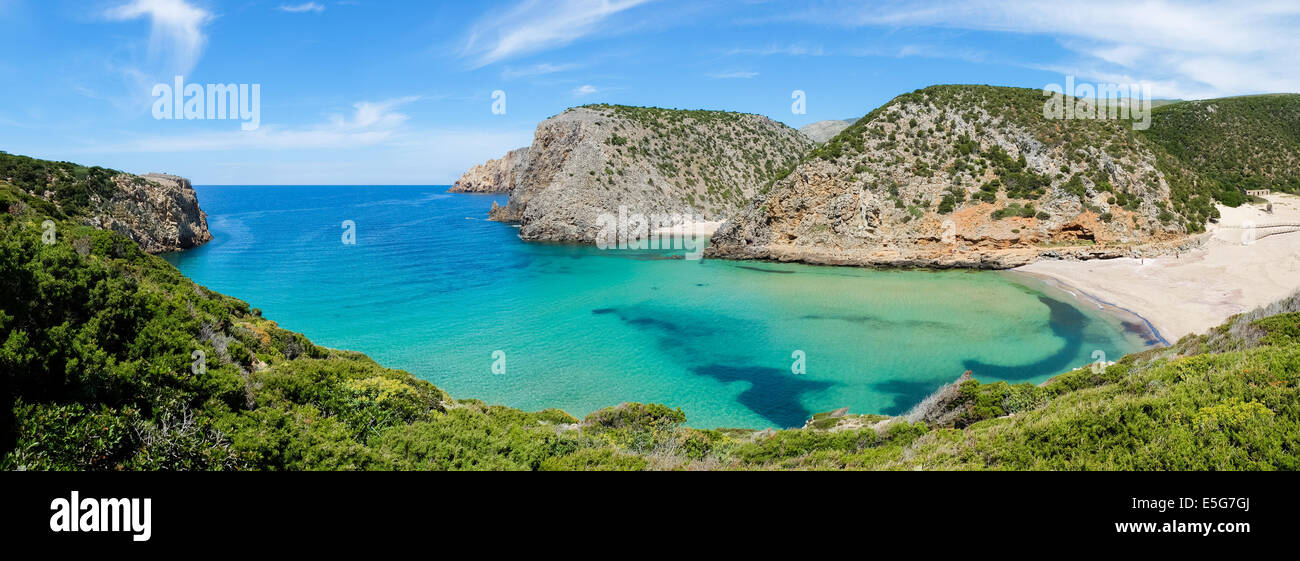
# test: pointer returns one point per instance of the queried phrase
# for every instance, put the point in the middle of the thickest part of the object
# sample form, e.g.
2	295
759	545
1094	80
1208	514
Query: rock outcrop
593	160
964	176
821	131
496	176
160	212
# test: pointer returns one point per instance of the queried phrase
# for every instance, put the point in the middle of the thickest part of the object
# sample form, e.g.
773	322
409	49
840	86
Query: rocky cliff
592	160
496	176
969	176
160	212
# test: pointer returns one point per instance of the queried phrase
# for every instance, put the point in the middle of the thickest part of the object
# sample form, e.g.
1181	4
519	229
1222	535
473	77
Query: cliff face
966	176
593	160
496	176
159	212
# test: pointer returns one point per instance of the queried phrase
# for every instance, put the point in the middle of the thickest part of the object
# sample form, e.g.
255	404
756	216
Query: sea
419	280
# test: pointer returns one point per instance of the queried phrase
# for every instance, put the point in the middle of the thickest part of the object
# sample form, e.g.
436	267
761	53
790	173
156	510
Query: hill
594	159
821	131
1234	144
970	176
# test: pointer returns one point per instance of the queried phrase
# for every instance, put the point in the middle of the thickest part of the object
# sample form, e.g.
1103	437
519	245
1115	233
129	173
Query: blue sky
400	92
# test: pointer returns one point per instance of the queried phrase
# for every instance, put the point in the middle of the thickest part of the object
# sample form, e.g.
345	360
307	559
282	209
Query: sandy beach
1231	273
697	228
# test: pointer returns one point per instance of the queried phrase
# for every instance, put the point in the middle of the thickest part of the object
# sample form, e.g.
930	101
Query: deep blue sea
433	288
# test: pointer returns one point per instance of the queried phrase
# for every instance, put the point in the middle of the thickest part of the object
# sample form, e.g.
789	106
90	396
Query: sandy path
1201	288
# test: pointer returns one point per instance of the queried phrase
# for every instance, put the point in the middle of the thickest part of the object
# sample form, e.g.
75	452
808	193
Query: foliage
111	359
1235	144
71	185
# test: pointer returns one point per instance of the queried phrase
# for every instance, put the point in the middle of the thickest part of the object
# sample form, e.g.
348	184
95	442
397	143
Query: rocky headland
593	160
495	176
160	212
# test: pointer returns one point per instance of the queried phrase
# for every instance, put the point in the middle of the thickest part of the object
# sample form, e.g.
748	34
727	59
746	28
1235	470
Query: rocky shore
495	176
158	211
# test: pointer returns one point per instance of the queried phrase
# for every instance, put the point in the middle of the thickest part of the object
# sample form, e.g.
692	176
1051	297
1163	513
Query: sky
394	92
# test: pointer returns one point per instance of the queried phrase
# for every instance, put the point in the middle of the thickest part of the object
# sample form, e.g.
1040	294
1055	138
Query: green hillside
100	372
71	185
1096	160
1235	143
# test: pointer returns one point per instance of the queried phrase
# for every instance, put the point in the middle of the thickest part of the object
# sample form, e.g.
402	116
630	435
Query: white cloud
176	29
301	8
369	124
535	25
373	115
585	90
1193	49
733	75
434	156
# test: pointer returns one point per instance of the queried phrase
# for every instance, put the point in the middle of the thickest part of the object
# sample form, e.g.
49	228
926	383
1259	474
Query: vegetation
71	185
111	359
1204	152
1234	144
717	159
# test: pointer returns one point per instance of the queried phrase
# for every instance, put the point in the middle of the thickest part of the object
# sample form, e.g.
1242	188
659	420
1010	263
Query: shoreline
1152	332
1193	291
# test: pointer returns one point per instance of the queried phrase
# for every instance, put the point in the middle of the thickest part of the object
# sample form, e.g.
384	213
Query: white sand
701	228
1203	287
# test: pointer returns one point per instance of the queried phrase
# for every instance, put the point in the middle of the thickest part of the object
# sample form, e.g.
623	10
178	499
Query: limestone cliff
595	159
968	176
496	176
160	212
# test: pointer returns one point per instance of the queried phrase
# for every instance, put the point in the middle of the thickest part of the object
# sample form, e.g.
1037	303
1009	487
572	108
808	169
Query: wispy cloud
1195	49
369	123
371	144
511	73
302	8
536	25
777	49
373	115
176	29
733	75
584	90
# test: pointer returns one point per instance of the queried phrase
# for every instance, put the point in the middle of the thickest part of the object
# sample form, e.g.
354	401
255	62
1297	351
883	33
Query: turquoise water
431	288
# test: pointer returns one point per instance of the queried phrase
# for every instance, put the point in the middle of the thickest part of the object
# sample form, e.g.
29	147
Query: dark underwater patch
875	321
762	270
773	393
1067	322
